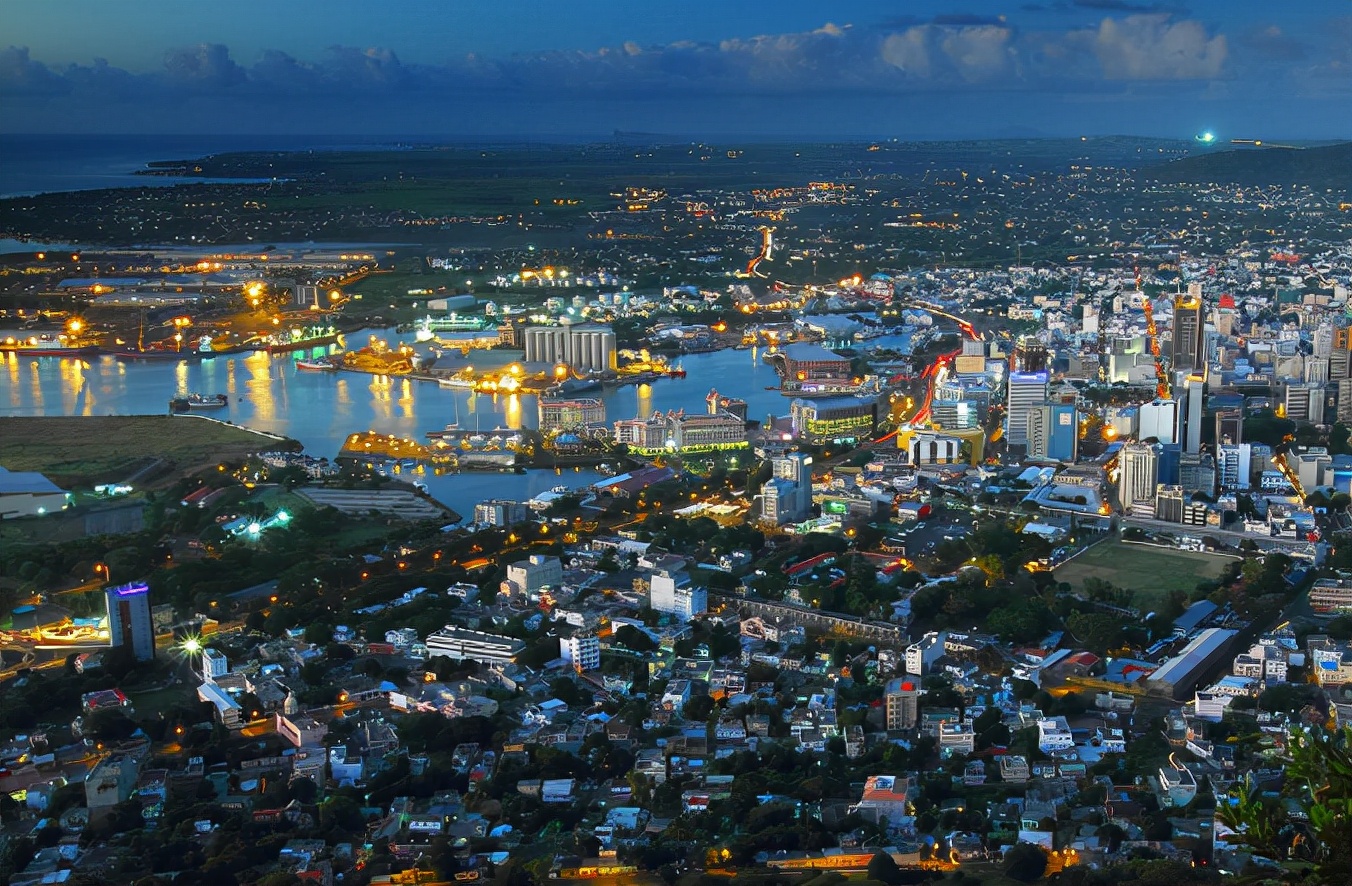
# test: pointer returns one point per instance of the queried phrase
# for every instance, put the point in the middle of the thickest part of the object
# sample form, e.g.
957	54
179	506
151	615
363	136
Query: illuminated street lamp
102	568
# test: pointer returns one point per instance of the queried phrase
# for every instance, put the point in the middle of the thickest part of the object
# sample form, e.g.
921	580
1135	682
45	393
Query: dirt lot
83	451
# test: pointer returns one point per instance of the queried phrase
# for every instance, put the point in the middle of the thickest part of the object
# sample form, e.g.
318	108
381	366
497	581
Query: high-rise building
953	415
1053	432
1234	465
1030	355
528	577
129	622
501	512
1229	426
1194	401
1197	473
795	468
1303	402
1025	390
1159	419
903	704
1187	350
1138	467
1169	503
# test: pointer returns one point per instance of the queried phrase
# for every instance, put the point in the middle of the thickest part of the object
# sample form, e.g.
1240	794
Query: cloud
205	65
20	75
1153	47
1271	43
1125	6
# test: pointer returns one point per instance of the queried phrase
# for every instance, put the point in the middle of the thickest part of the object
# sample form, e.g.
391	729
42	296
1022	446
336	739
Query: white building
214	664
1025	390
923	653
1139	465
29	494
1159	419
458	643
1053	734
670	591
582	651
527	577
1234	465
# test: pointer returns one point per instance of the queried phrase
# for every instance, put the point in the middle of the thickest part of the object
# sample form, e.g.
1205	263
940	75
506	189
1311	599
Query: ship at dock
298	338
199	402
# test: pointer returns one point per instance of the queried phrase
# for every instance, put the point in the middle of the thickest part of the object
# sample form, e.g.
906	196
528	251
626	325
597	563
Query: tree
884	869
1026	863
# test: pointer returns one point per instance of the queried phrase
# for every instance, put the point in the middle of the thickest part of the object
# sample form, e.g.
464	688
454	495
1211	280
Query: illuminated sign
135	589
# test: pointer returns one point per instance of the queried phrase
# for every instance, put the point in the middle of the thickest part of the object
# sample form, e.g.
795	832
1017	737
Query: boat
199	401
45	345
299	338
152	354
316	366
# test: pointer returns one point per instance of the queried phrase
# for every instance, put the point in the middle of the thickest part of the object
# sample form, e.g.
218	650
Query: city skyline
981	69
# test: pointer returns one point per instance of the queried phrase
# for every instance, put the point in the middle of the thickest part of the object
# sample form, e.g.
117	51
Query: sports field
1149	572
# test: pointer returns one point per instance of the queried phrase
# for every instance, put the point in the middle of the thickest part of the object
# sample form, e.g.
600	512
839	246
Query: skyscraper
1025	391
1229	425
796	468
1138	464
1194	389
1187	351
129	621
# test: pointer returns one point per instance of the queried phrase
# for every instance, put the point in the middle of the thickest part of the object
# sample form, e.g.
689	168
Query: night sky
580	69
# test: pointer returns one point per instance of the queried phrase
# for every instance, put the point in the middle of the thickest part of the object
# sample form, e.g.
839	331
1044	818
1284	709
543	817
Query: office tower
794	468
1340	354
1030	356
1139	466
129	621
1053	432
1234	464
1197	473
903	704
1229	425
1303	402
1194	392
1316	370
1187	350
1025	390
1159	419
1169	502
953	415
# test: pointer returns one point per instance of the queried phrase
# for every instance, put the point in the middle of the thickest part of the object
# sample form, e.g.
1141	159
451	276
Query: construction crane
1162	388
1281	464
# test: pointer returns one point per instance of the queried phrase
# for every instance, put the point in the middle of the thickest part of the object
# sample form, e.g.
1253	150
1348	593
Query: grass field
86	450
1149	572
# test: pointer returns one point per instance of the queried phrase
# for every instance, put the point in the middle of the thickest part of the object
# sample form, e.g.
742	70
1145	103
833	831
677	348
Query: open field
1149	572
86	450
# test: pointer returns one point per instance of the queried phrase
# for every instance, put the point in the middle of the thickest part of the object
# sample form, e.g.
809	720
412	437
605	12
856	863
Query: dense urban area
1036	566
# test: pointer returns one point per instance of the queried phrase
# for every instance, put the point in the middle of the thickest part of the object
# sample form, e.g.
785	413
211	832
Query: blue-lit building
1053	432
129	622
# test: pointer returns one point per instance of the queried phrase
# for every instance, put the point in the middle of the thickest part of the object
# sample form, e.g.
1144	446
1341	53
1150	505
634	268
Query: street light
103	568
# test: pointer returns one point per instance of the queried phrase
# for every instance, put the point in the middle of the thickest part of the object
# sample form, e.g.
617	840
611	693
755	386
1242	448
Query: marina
321	409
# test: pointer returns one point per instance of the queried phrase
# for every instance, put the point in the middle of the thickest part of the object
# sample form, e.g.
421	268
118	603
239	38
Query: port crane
1280	462
1163	390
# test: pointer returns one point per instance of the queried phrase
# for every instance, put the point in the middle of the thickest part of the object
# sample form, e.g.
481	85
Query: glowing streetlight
191	645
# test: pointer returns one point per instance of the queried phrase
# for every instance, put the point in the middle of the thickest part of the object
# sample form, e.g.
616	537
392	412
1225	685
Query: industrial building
1178	676
586	346
459	643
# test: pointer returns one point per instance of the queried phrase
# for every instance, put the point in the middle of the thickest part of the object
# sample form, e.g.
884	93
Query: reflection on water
321	409
645	401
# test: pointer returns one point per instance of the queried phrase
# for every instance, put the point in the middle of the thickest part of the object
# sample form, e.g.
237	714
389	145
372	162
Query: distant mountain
1329	166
